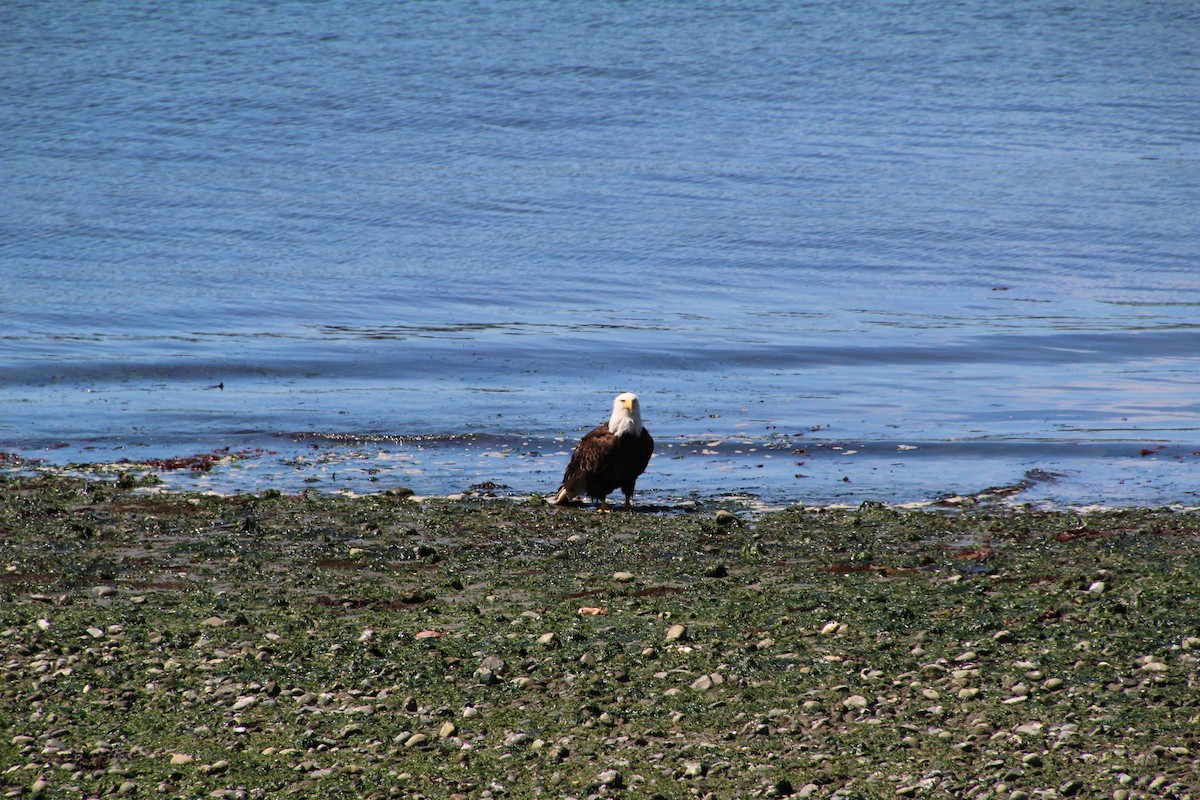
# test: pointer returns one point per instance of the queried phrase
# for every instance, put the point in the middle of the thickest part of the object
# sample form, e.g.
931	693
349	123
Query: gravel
869	652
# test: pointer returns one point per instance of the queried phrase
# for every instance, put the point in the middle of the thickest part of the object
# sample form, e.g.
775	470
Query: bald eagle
610	456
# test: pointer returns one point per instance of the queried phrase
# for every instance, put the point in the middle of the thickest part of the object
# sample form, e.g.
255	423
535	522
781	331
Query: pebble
702	684
102	591
725	518
1071	787
610	778
38	787
1097	587
244	702
623	577
182	758
126	788
470	712
855	701
416	740
447	730
428	635
676	633
547	639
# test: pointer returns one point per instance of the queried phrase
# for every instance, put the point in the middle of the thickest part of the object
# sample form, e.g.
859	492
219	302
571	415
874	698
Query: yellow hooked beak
628	404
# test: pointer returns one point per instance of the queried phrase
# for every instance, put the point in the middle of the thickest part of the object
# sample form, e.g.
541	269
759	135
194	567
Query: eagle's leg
629	502
603	509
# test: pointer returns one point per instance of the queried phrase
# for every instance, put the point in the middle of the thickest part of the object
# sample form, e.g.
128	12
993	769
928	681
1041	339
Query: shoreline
759	475
177	644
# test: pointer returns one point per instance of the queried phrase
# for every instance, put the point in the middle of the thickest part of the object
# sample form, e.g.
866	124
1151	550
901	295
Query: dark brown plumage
604	461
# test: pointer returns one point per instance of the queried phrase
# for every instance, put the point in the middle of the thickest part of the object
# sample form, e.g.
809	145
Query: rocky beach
173	644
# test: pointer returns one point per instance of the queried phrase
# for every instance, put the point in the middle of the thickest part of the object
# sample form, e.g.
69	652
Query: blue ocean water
881	250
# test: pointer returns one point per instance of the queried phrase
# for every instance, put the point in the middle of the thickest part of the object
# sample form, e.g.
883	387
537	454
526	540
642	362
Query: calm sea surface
842	251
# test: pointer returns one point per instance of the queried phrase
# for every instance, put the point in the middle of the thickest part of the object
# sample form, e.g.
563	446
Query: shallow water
966	231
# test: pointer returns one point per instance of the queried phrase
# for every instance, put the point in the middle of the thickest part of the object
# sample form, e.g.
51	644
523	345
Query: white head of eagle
610	456
626	415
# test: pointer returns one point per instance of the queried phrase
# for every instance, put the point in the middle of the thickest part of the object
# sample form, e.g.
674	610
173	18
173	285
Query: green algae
171	644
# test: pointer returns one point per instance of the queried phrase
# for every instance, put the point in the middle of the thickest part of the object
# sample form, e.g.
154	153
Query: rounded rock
610	778
855	701
1071	787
